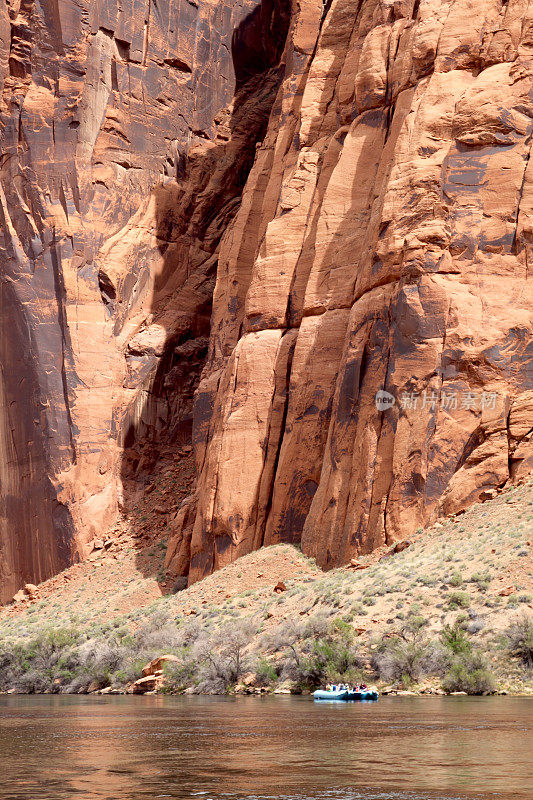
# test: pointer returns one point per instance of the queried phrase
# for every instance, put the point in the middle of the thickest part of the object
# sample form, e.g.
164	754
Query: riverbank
448	610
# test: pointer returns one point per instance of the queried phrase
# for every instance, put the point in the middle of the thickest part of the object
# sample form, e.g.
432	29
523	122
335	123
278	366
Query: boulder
399	547
150	683
248	679
280	587
283	688
157	664
355	564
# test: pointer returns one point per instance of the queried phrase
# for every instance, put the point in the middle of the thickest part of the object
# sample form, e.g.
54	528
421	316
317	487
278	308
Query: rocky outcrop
383	245
124	151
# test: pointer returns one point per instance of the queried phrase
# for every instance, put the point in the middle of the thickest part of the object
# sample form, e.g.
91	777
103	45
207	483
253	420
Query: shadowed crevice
157	467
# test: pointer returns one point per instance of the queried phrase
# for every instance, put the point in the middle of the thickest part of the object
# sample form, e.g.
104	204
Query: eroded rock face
384	242
195	206
124	150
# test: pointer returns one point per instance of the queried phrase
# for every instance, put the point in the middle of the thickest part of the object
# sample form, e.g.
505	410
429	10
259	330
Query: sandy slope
481	560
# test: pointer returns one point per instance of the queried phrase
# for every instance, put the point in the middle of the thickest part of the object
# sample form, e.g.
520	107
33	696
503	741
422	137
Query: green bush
482	579
454	638
458	600
265	672
415	623
318	650
469	673
38	665
182	674
456	579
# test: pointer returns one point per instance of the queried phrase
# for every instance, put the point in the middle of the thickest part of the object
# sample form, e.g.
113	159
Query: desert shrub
98	660
309	672
482	579
520	639
183	673
409	655
223	657
469	673
454	638
397	659
456	579
38	664
324	660
338	653
286	640
265	672
33	681
414	624
315	651
475	626
159	633
458	600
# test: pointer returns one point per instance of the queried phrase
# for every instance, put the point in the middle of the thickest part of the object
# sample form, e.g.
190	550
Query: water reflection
130	748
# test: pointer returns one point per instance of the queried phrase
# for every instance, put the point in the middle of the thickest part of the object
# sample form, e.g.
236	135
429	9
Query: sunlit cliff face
382	244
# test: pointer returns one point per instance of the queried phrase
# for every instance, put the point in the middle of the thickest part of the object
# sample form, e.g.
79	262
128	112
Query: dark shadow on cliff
192	214
29	500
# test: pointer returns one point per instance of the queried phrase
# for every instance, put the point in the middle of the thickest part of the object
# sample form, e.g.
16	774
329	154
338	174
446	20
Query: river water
288	748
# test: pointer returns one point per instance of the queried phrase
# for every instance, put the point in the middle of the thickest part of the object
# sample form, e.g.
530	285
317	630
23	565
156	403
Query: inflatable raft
346	695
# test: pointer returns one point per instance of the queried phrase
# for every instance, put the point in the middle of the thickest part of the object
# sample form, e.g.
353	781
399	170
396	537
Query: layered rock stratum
246	221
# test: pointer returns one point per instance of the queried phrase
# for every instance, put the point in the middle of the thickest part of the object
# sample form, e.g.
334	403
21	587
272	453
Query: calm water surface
288	748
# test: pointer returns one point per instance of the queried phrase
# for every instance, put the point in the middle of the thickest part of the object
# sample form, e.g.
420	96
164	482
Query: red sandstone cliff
124	149
383	241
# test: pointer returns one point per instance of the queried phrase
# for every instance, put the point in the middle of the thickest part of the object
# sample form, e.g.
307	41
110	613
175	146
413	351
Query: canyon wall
383	244
114	119
244	221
